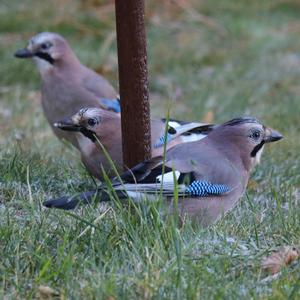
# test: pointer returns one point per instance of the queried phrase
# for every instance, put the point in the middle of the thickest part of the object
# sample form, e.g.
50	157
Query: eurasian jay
67	85
95	125
211	174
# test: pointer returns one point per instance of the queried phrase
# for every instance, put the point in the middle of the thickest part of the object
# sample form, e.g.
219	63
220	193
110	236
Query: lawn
208	60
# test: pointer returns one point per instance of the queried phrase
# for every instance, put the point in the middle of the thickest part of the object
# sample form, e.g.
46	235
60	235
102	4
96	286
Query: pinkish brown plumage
67	85
210	175
105	126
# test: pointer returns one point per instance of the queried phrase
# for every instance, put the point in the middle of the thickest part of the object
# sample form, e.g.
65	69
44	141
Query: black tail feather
68	203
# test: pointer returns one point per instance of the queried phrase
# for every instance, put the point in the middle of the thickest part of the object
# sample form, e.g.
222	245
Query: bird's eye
46	45
255	134
92	122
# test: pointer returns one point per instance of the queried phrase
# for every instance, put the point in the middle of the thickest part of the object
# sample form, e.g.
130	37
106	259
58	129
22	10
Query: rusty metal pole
133	81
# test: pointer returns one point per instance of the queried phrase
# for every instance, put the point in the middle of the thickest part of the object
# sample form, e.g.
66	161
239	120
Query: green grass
243	60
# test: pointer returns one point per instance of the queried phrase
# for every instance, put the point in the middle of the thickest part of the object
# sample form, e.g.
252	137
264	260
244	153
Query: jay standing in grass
95	126
210	175
67	85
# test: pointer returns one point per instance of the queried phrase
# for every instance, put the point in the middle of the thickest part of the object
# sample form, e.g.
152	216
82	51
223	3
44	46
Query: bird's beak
24	53
272	135
67	125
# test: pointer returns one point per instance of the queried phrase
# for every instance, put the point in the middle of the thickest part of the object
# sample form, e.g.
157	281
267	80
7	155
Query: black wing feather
138	173
205	130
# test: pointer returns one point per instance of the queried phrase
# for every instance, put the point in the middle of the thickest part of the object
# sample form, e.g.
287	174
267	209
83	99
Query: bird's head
47	49
250	136
89	121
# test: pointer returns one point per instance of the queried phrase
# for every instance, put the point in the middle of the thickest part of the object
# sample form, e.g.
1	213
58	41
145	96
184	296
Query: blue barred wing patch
205	188
162	140
112	104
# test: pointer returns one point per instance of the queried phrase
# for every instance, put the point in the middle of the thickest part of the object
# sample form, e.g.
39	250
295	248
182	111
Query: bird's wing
187	132
111	104
187	158
102	89
141	171
194	169
98	85
194	173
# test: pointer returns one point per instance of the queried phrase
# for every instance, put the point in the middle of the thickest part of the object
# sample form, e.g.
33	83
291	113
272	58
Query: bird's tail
70	202
120	192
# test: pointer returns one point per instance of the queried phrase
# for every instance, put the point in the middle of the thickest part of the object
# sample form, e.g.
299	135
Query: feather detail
168	177
189	132
196	189
204	188
141	171
111	104
164	139
71	202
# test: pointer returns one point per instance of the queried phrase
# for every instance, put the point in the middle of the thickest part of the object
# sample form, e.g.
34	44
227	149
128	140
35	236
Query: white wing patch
174	124
168	177
192	137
